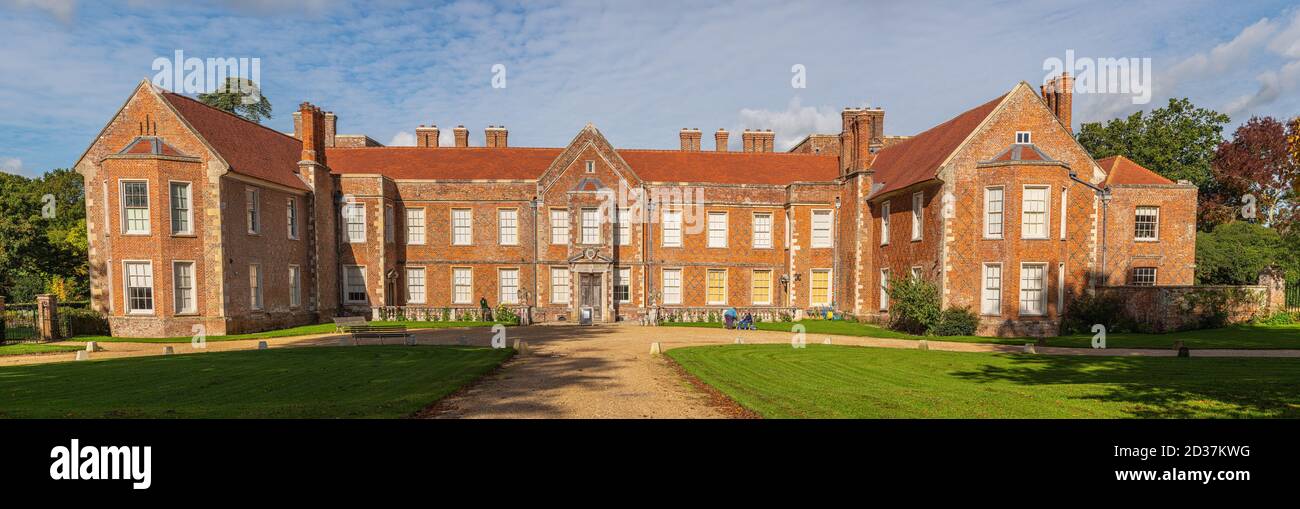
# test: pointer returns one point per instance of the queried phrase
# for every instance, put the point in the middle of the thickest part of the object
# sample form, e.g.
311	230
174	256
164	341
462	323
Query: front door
589	291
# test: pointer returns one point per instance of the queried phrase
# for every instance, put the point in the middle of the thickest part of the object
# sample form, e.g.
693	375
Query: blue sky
638	70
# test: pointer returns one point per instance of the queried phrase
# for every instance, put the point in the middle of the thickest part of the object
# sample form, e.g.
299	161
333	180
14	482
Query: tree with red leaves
1255	176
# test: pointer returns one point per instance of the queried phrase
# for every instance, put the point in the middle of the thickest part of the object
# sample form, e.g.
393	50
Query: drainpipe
835	257
1104	194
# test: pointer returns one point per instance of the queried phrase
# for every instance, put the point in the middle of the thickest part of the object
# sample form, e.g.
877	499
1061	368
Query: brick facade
761	230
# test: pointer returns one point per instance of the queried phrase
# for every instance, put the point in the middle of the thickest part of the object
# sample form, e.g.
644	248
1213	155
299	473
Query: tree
1235	253
1177	141
240	96
1254	177
43	240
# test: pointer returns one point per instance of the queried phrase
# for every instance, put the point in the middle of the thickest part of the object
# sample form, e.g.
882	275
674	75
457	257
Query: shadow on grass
1151	387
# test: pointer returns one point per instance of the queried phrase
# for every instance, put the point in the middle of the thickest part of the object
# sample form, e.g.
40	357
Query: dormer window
1024	138
591	166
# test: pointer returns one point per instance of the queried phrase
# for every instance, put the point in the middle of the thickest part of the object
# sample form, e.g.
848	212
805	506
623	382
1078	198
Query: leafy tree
1177	141
1257	162
1236	253
43	242
242	97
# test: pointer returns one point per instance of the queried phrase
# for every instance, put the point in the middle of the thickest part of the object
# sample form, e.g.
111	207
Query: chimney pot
462	136
720	139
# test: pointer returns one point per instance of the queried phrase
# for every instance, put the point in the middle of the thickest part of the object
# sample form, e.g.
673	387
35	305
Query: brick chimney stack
496	136
720	140
312	126
331	128
855	139
690	139
426	136
462	136
766	141
1058	92
747	140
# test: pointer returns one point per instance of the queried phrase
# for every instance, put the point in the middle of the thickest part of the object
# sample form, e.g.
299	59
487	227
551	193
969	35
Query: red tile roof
1121	170
508	163
917	159
251	148
150	145
513	163
778	168
1021	153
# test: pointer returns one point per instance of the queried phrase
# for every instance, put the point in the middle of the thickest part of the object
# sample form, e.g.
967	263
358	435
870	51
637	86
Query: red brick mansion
198	217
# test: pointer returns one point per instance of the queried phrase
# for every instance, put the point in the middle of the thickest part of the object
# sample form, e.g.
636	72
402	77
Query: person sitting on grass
747	323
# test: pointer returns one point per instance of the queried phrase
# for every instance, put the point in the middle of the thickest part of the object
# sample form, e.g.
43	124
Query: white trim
753	229
1065	212
726	274
663	277
424	284
1060	287
193	292
830	228
1029	138
365	284
501	233
1042	290
291	218
1002	212
1156	238
253	209
568	222
985	290
884	222
617	279
708	230
830	285
423	227
189	207
256	292
469	228
770	284
470	295
148	209
567	286
663	227
582	226
126	289
347	213
884	289
295	286
1047	211
502	296
918	215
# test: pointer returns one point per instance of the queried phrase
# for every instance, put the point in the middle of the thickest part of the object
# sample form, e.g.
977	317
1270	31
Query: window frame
501	227
623	227
468	227
708	274
423	286
469	286
126	288
291	217
583	228
256	290
884	289
709	231
253	209
1028	140
422	226
812	278
390	224
1155	230
1042	289
1133	276
189	207
1001	212
349	212
884	223
753	286
193	293
830	228
625	282
567	285
663	277
503	297
565	227
755	230
918	215
663	227
295	286
1046	212
985	289
348	283
122	204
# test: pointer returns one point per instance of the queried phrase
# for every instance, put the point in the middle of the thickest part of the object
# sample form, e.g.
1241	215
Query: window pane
1034	213
461	281
762	230
559	227
295	286
622	281
354	283
508	227
673	286
590	226
993	212
992	289
1147	222
291	217
254	207
414	226
624	231
135	201
672	227
717	286
1144	276
415	286
918	202
508	286
460	226
354	216
717	229
139	287
821	233
180	207
1031	289
761	293
559	285
820	288
183	280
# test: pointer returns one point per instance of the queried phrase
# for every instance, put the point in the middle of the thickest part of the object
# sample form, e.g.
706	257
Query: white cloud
791	124
1272	84
11	165
402	139
61	9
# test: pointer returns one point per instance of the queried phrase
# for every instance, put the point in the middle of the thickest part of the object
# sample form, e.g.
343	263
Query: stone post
47	309
1274	290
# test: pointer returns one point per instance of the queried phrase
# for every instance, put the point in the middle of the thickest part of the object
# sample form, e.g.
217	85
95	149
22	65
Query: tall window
623	234
354	284
760	292
255	286
717	229
763	230
1065	201
183	287
717	286
992	297
1033	213
139	287
672	286
993	212
508	286
1143	276
415	226
884	223
295	286
182	213
622	280
354	219
253	207
672	226
559	285
819	288
1060	288
291	217
1033	298
590	226
390	225
461	231
1147	223
884	289
462	281
135	207
415	285
918	204
508	227
559	227
821	228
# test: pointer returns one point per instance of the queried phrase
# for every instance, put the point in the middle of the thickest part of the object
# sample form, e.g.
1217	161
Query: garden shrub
1089	309
83	322
505	314
1279	318
913	305
957	322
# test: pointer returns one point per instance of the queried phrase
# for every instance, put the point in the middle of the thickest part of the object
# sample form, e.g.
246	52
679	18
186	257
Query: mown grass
35	348
1236	336
316	382
824	381
302	330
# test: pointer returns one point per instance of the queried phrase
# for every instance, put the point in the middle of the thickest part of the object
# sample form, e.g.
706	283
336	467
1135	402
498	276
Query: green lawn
823	381
1236	336
317	382
33	348
303	330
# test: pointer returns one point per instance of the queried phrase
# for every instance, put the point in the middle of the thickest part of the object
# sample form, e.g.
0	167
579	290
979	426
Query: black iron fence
19	323
1293	299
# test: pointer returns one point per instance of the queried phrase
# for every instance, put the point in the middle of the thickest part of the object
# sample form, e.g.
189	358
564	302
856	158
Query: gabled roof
1121	170
773	168
455	163
918	158
250	148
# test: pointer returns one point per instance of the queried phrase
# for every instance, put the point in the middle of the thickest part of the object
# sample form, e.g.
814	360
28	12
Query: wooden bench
377	331
341	323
